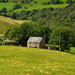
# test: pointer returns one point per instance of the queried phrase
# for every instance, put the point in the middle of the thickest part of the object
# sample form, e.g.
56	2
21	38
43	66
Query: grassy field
72	50
9	6
39	5
6	23
24	61
52	45
32	5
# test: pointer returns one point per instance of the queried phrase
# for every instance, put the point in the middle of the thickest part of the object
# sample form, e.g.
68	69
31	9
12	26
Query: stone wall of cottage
36	45
42	44
33	45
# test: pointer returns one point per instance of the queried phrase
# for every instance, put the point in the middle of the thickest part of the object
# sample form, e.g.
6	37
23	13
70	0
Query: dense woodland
56	25
15	1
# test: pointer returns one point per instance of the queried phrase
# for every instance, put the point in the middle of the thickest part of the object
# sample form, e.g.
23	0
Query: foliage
69	1
20	33
56	17
63	36
24	31
56	2
29	5
9	6
17	6
4	10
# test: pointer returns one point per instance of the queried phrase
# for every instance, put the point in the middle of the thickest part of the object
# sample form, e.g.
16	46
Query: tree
7	1
56	2
0	1
17	6
45	32
22	1
3	1
69	1
62	36
14	15
20	33
52	1
4	10
24	31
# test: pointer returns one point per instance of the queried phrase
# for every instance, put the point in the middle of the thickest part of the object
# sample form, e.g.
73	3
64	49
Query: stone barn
36	42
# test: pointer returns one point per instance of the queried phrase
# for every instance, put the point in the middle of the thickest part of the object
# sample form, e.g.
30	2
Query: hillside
6	23
9	6
25	61
40	4
33	4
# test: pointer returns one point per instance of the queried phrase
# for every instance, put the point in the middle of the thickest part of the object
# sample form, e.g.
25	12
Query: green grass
6	23
72	50
39	5
9	6
1	36
31	6
30	61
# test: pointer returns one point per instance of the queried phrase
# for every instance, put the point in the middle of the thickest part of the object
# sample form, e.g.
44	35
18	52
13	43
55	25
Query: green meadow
6	23
40	6
72	50
9	6
30	61
31	6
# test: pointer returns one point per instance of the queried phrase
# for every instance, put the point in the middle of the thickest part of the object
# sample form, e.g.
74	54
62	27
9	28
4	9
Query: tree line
27	1
22	32
15	1
60	2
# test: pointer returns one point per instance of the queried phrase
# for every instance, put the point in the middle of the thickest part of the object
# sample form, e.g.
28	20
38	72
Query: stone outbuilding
36	42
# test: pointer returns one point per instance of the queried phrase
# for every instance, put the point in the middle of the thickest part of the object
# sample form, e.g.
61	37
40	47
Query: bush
4	10
17	6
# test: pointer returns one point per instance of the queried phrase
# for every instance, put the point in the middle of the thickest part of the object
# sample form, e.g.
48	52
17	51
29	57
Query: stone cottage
36	42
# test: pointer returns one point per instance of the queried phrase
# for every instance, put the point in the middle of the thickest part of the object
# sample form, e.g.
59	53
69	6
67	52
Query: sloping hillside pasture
30	61
6	23
32	5
39	5
9	6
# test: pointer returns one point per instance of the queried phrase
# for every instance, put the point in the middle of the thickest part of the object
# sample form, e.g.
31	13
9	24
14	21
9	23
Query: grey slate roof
35	39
